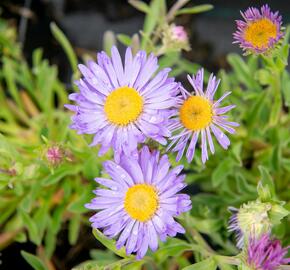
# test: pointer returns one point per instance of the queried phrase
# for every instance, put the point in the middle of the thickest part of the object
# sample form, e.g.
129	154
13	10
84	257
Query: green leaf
9	75
243	72
78	205
109	40
34	261
62	39
256	108
221	172
60	173
277	213
151	20
172	249
74	228
195	10
50	241
285	84
266	180
263	76
140	5
31	226
208	264
124	39
110	244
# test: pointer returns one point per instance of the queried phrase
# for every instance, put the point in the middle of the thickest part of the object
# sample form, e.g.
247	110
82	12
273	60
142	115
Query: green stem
277	96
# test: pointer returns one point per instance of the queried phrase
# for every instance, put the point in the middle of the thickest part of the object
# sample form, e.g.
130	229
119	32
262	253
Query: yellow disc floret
123	106
260	32
196	113
141	202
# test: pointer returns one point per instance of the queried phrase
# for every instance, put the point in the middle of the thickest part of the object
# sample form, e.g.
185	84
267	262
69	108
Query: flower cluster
126	104
123	106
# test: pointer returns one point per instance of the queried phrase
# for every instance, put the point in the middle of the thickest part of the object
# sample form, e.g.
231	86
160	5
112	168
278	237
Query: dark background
84	22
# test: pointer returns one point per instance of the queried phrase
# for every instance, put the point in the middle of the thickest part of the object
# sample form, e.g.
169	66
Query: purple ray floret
266	254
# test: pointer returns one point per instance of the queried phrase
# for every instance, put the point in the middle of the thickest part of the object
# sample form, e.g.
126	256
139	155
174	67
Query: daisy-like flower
140	205
198	116
266	254
123	105
251	219
260	31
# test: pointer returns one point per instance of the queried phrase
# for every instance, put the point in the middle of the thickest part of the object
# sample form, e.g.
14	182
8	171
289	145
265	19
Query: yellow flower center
196	113
141	202
258	33
123	106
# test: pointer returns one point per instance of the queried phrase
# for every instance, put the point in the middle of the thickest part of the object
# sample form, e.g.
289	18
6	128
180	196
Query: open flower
260	31
123	105
265	254
198	115
251	219
140	205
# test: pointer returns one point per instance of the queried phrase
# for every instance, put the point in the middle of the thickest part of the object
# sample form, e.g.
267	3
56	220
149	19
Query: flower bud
54	155
251	219
175	38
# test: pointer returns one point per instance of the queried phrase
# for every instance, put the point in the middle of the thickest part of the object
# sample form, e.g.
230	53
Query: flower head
198	115
123	105
54	155
263	253
260	31
175	38
251	219
140	205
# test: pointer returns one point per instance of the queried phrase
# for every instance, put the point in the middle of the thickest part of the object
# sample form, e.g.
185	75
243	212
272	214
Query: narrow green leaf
31	226
124	39
208	264
243	72
60	173
67	47
34	261
267	180
140	5
110	244
74	228
151	20
109	40
195	10
221	172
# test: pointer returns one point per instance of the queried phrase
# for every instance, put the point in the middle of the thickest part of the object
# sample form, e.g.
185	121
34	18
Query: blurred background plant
47	170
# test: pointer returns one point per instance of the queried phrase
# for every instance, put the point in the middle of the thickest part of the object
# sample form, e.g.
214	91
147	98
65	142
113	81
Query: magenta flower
141	201
54	155
265	253
179	33
260	31
198	116
123	105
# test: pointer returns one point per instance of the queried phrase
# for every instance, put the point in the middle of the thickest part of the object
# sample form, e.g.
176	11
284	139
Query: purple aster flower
198	116
260	30
265	253
123	105
140	205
